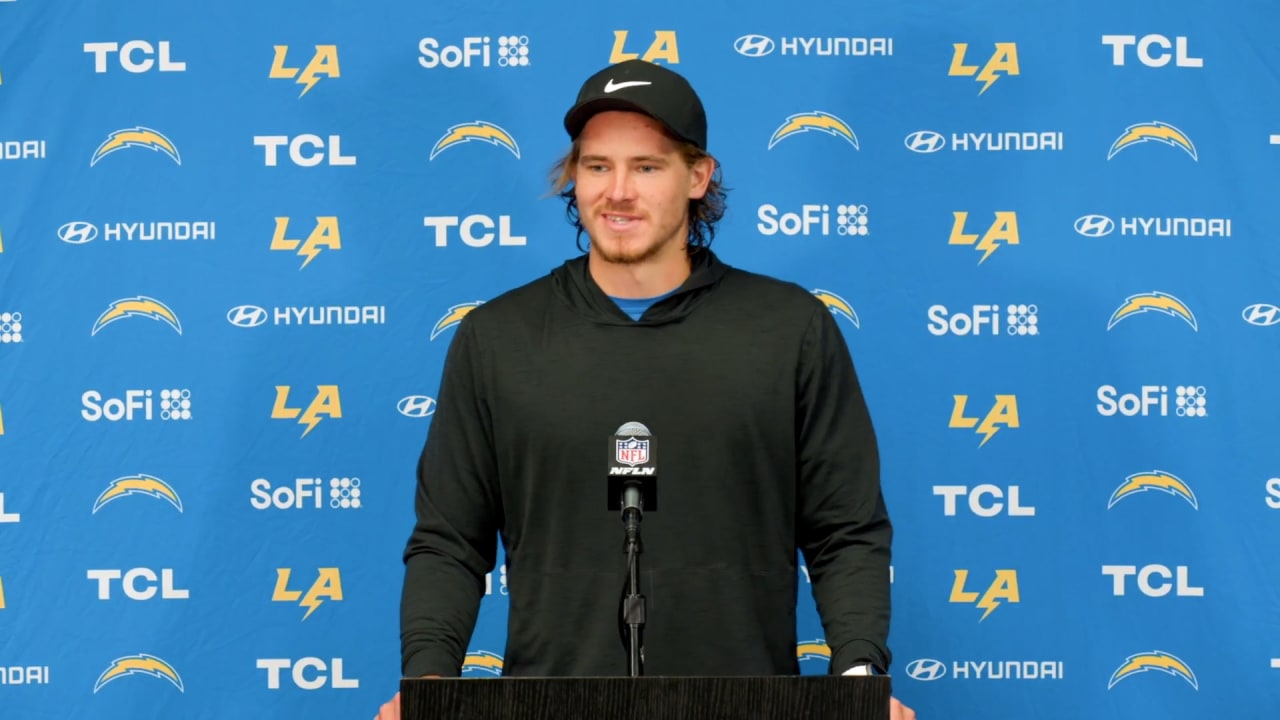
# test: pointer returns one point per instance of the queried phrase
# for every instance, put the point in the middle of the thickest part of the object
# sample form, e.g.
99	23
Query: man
765	441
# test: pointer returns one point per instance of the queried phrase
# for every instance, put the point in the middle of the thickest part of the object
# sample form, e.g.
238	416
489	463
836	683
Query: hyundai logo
416	406
753	45
1262	314
246	316
1094	225
77	233
926	669
925	141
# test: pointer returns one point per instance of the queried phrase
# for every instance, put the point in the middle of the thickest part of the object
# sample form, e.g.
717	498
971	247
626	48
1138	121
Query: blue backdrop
235	239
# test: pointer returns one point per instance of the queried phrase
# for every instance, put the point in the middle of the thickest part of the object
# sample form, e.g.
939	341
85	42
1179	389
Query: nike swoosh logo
611	85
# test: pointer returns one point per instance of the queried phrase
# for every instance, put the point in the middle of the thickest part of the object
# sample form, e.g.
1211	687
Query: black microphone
633	474
633	470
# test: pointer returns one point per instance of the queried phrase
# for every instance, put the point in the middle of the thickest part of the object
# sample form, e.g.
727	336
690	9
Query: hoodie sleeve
842	527
458	510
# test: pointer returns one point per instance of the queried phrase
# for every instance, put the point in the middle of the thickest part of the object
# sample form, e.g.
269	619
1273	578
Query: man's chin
628	250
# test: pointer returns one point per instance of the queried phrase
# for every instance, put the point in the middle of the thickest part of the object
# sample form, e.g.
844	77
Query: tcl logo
1152	50
135	56
4	516
308	673
983	500
305	150
139	584
1153	580
473	230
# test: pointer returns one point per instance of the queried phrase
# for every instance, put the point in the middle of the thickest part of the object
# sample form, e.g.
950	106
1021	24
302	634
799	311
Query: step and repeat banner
236	240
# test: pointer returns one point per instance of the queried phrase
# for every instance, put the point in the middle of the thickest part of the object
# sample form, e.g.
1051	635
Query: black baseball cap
643	87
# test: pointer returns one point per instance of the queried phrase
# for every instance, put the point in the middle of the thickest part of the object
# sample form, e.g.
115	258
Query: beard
633	250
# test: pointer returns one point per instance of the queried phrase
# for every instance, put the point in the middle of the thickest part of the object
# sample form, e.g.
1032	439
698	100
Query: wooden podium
804	697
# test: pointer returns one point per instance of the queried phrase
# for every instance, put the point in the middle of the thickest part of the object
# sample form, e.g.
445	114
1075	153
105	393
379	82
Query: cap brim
577	117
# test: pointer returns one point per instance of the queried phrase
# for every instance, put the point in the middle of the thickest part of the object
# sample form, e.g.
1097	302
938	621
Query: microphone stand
633	605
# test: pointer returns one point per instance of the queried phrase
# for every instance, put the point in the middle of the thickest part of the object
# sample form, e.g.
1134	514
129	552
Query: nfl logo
633	451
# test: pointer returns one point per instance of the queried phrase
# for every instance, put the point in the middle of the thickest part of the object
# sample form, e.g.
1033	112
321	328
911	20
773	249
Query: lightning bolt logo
454	316
478	130
1157	301
136	137
308	251
140	306
1154	660
838	306
987	429
988	603
813	650
307	82
141	664
1154	480
311	603
483	661
1158	131
987	75
138	485
987	245
817	120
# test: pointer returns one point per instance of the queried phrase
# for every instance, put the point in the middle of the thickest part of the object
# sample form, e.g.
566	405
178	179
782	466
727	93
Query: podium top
811	697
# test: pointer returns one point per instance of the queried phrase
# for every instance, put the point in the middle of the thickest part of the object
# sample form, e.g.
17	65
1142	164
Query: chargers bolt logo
136	137
140	306
813	650
482	661
454	316
478	130
140	484
817	120
1157	131
838	306
1153	301
141	664
1154	660
1154	480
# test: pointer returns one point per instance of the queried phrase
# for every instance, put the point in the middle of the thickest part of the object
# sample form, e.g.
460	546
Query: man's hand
897	711
390	710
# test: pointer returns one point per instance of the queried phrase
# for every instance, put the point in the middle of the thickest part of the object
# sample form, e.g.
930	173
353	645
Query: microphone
633	470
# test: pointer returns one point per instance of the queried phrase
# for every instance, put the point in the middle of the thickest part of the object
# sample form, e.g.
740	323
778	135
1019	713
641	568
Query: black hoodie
765	446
